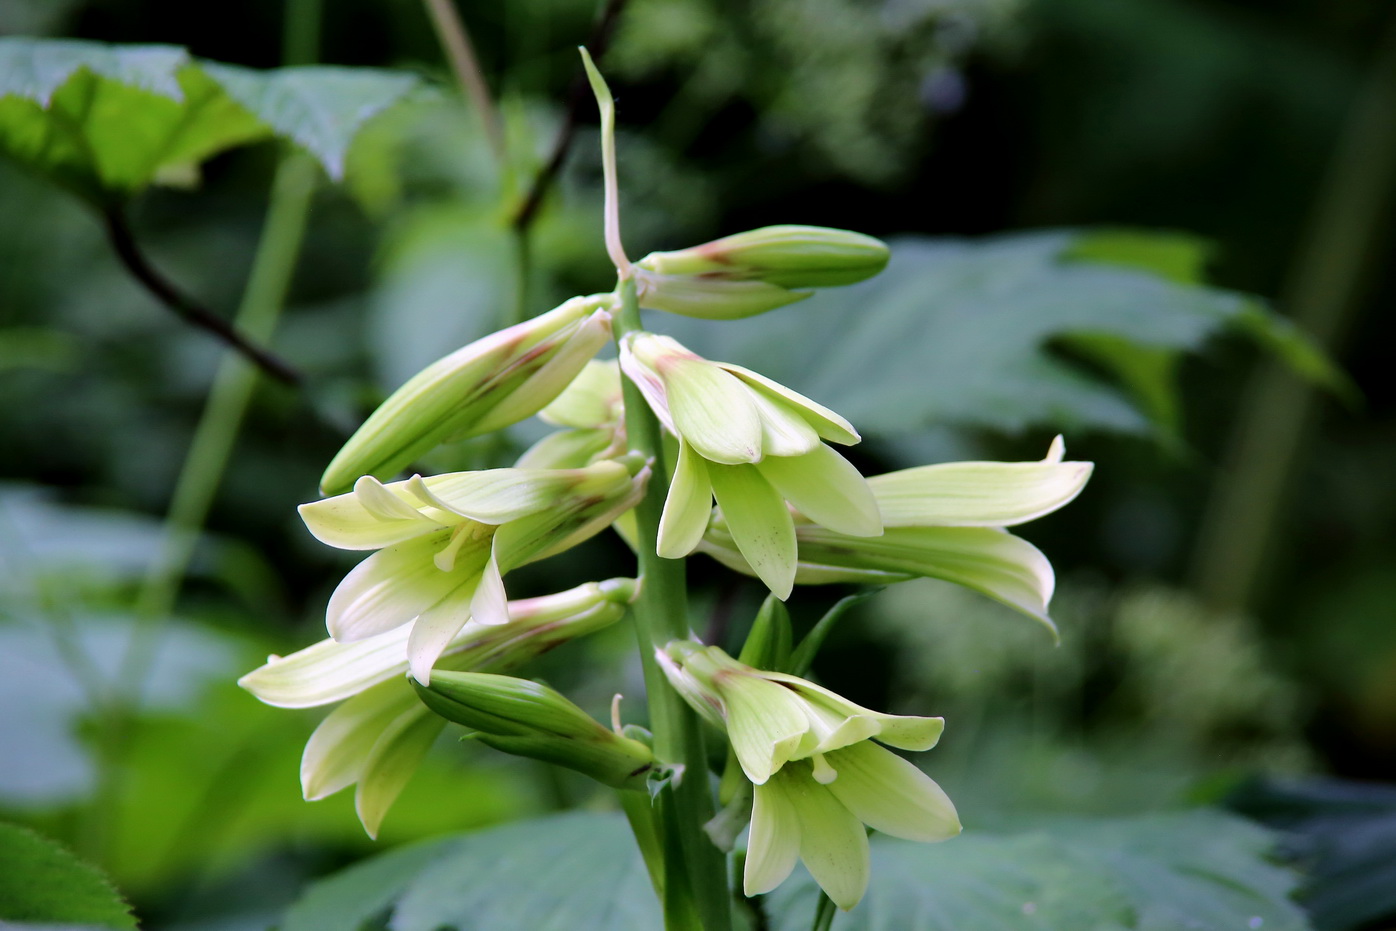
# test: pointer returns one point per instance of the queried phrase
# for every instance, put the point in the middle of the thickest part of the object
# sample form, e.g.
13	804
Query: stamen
823	772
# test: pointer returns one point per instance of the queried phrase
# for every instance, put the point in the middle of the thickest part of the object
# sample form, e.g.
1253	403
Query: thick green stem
661	614
824	913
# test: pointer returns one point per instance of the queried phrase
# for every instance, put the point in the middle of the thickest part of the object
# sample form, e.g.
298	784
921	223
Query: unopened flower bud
489	384
529	719
756	271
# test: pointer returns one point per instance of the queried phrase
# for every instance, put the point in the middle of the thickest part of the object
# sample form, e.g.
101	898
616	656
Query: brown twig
455	40
578	95
191	311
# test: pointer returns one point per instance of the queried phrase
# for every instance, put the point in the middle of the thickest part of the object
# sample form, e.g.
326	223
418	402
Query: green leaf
318	107
1345	835
571	872
963	332
105	121
1200	870
42	882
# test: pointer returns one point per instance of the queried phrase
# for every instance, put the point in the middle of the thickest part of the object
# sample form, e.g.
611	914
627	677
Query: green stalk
824	913
661	614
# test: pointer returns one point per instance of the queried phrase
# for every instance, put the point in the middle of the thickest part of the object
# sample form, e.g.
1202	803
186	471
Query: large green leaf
579	871
1197	870
965	332
106	120
42	882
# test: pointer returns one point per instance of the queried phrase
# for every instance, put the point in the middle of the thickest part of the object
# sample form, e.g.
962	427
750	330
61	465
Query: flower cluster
755	483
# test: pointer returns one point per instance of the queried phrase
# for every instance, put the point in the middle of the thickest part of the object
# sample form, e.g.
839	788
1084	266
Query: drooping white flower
941	521
755	446
444	543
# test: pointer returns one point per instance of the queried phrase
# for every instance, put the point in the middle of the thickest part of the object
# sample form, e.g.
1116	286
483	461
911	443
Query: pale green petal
774	843
765	723
977	494
759	522
490	605
367	518
783	431
889	794
639	368
688	507
712	410
829	425
908	732
328	671
392	762
565	449
827	489
436	627
833	844
396	584
336	752
591	400
494	496
993	562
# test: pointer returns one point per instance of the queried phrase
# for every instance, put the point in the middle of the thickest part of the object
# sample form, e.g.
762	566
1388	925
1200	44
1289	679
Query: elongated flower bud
489	384
529	719
756	271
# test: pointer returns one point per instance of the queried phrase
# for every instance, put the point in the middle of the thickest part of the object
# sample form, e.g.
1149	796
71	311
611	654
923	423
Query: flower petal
764	723
688	507
494	496
783	431
436	627
370	517
774	843
565	449
391	763
827	489
889	794
396	584
829	425
833	844
760	524
993	562
336	752
712	410
591	400
490	605
977	494
328	671
908	732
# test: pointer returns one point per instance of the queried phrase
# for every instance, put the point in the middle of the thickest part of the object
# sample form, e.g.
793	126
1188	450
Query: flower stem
661	614
824	913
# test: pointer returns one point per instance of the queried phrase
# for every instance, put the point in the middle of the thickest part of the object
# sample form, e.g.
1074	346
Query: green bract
489	384
529	719
753	445
941	521
753	272
444	542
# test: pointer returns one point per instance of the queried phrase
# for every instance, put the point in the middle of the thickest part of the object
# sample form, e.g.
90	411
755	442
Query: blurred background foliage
1108	219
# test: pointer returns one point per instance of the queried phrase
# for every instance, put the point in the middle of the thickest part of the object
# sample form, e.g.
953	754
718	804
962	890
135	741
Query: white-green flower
799	815
444	542
941	521
772	718
489	384
377	737
754	445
